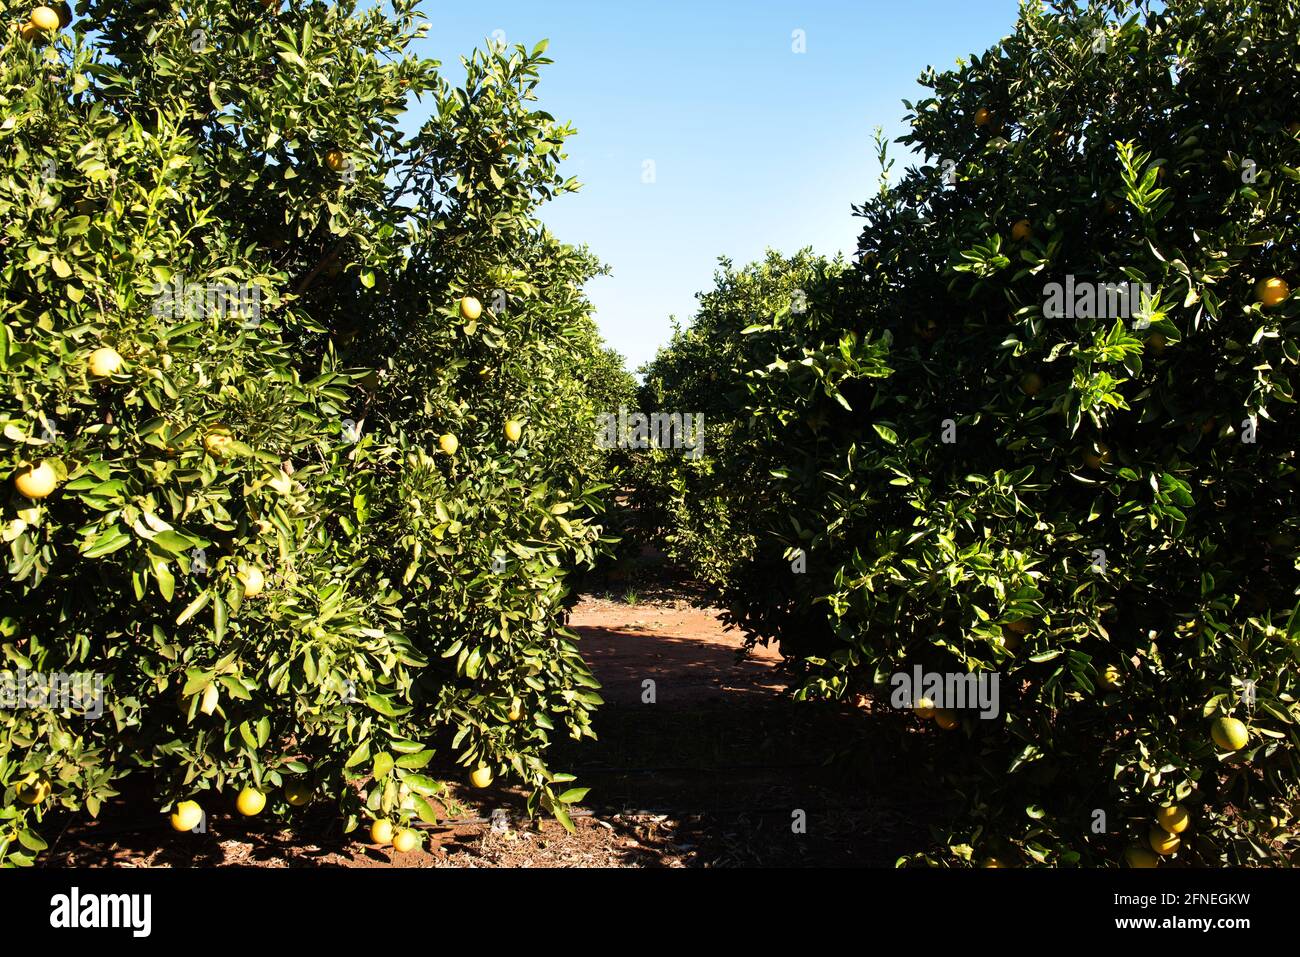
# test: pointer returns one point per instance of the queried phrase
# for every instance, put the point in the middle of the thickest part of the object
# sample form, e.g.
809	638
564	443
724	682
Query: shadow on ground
717	767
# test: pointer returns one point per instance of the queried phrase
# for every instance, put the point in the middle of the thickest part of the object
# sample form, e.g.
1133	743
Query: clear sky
753	144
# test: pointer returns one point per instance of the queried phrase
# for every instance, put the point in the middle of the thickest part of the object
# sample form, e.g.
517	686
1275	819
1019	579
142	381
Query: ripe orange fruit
924	708
104	362
336	160
36	481
1173	818
406	840
481	777
217	441
1031	383
470	308
250	802
946	718
298	793
1021	230
253	580
35	789
381	832
448	443
187	816
1162	842
30	31
43	18
1271	291
516	711
1139	857
513	430
1229	734
982	117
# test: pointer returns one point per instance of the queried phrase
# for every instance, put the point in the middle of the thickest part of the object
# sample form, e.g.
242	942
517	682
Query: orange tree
291	404
700	509
1097	505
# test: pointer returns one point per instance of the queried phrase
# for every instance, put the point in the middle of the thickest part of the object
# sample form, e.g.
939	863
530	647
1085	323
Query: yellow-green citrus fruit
36	481
406	840
1021	230
187	816
448	443
298	793
513	430
470	308
336	160
1138	856
34	790
481	777
43	18
1173	818
104	362
217	441
250	802
253	580
1162	842
381	832
1229	734
1272	291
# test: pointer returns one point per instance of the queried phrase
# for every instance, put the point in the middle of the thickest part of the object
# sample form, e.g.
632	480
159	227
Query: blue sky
754	145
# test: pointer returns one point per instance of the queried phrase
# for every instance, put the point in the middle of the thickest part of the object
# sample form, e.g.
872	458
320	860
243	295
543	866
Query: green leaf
359	755
415	760
175	542
886	433
194	607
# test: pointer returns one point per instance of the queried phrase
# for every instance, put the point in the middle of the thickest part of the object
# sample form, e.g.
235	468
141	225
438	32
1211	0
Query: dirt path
714	769
687	652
